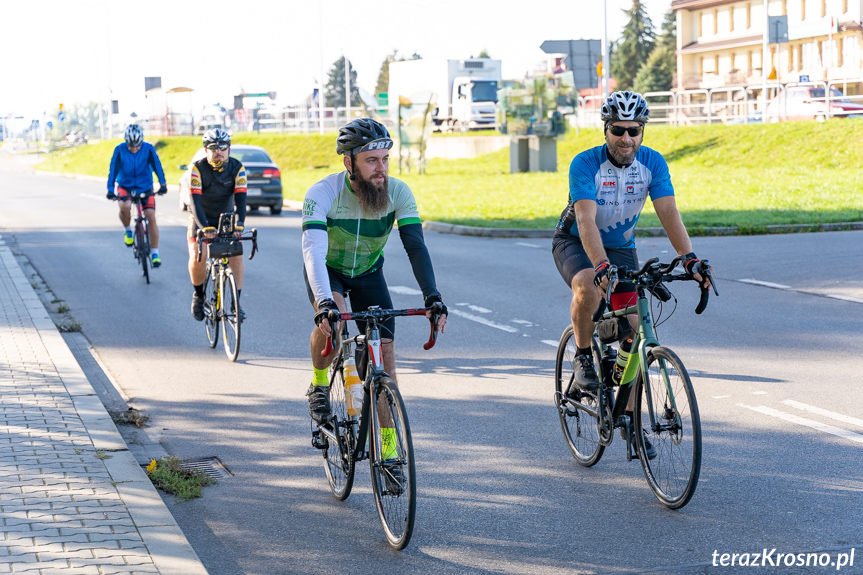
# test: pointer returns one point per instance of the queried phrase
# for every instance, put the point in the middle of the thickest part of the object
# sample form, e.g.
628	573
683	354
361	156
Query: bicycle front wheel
391	457
230	315
339	458
211	307
142	239
674	432
580	427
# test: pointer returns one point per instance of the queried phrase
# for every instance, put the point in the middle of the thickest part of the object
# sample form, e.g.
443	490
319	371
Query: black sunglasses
221	147
619	131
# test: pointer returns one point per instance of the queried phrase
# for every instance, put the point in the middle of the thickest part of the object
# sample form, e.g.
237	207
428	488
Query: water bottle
353	387
622	358
609	359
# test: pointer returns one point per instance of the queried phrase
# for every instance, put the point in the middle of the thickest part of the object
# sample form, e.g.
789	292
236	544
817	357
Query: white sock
129	229
154	251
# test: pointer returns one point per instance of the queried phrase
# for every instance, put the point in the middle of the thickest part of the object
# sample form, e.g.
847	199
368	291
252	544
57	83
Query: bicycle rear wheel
142	248
211	307
339	458
580	428
676	431
393	479
230	315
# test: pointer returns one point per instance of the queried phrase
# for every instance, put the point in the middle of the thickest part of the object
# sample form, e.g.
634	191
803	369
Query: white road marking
527	245
523	322
95	197
479	309
551	342
759	393
845	298
720	396
856	437
765	284
404	290
824	412
482	320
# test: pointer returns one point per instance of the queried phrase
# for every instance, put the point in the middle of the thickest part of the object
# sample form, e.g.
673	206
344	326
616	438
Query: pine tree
334	90
634	48
657	73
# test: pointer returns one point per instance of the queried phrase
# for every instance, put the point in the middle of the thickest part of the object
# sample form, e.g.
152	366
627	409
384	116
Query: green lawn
748	176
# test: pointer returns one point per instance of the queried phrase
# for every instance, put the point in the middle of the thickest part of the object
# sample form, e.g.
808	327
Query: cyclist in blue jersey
608	187
132	168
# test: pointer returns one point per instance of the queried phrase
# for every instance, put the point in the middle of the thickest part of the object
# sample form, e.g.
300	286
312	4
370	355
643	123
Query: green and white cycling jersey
337	233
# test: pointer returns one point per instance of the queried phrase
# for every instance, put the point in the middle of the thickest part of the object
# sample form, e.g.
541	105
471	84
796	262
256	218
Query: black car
264	179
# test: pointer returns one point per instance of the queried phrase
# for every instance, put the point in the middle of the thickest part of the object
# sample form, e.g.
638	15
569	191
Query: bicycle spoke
211	307
230	315
667	412
392	465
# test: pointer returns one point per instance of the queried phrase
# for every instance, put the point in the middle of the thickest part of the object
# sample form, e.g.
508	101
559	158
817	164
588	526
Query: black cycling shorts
570	258
365	291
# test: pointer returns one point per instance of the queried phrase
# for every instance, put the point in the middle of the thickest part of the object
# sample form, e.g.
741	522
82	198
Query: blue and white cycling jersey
620	193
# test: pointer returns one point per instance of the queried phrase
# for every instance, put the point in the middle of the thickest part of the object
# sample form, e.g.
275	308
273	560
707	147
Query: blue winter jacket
133	172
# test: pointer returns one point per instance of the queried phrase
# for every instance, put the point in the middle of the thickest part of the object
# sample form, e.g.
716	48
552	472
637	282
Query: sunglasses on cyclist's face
220	147
619	131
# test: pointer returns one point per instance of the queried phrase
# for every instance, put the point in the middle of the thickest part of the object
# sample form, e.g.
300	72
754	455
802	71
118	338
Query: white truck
466	89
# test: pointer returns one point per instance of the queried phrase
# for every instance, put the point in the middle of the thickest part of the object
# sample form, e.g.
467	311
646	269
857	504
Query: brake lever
605	303
332	317
437	309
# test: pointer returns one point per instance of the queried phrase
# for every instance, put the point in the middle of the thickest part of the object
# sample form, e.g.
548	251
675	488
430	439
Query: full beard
373	197
623	158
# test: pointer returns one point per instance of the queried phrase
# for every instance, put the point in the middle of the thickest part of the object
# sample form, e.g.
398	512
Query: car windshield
835	94
485	91
251	156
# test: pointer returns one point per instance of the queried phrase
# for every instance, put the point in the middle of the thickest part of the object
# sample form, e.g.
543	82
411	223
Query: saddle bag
613	329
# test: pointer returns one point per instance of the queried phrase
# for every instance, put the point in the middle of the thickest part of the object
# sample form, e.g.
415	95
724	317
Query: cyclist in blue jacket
132	167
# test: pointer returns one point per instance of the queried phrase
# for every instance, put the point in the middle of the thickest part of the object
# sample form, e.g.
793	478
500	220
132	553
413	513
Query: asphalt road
498	490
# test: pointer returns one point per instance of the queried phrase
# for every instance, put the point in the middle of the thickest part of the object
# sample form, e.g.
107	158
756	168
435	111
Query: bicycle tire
396	506
230	315
673	474
211	307
339	459
142	238
580	429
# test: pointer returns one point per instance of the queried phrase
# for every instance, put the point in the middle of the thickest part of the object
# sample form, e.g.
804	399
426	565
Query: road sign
50	124
581	58
778	29
61	116
804	78
772	75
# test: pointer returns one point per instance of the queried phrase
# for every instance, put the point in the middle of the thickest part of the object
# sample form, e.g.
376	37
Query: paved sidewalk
73	499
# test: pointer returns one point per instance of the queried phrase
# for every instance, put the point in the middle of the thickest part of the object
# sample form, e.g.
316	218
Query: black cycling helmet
134	135
216	136
361	135
626	105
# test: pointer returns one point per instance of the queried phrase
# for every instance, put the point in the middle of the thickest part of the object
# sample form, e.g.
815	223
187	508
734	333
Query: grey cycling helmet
625	106
362	135
134	135
216	136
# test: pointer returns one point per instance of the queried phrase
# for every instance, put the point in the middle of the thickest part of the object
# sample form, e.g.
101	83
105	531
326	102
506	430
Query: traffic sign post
581	58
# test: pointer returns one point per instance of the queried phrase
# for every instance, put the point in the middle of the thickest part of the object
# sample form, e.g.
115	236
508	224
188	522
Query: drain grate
209	466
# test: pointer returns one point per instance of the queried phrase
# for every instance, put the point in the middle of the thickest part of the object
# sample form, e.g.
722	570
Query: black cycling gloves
325	306
601	270
436	298
691	263
163	189
111	195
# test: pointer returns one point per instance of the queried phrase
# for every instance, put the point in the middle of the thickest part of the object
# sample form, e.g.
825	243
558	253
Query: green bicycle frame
645	338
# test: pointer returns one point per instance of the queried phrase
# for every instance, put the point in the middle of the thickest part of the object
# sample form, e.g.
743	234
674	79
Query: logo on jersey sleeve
309	207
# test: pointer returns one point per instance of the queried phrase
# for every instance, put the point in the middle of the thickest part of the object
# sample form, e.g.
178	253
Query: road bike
665	408
221	297
380	432
141	233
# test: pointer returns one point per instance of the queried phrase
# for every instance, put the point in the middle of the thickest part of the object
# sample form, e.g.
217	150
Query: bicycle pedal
319	441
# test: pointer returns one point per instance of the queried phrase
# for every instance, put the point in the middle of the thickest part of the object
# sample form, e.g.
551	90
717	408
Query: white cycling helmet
134	135
627	106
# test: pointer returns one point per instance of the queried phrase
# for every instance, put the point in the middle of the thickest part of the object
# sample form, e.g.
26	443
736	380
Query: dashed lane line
824	412
482	320
789	288
823	427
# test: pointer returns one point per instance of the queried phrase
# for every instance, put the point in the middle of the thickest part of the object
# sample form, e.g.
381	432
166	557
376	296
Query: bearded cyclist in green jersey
347	218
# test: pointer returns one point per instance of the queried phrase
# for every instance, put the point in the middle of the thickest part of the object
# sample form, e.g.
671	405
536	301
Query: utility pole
347	90
765	55
605	68
321	85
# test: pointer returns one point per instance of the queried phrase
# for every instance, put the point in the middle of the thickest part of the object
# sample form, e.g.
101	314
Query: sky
76	51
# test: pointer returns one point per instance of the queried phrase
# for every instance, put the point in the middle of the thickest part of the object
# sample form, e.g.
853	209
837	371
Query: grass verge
744	176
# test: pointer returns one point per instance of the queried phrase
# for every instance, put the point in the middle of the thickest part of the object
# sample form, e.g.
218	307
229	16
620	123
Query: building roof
695	4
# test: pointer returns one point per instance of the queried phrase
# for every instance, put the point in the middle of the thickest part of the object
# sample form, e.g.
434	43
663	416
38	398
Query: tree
384	74
634	48
334	90
483	54
657	73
